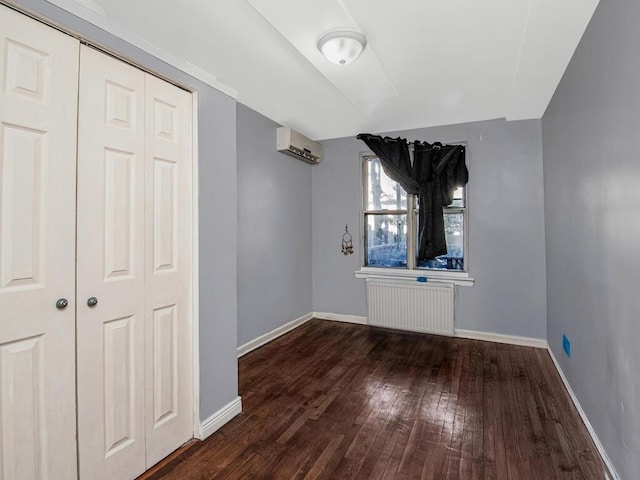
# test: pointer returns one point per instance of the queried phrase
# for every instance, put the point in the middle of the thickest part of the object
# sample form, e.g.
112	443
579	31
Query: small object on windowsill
347	242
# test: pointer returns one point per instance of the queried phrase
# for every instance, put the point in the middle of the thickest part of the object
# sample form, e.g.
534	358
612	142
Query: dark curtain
436	172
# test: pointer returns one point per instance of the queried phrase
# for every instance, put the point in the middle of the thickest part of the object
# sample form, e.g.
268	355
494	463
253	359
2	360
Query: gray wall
592	205
218	189
506	226
274	230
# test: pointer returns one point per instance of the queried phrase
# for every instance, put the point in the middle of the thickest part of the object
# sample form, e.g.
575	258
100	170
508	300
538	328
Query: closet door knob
92	302
62	303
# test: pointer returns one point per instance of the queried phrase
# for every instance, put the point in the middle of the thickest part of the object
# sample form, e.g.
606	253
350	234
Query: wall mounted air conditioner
298	146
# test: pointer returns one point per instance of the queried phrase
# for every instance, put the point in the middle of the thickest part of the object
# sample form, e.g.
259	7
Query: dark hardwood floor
333	401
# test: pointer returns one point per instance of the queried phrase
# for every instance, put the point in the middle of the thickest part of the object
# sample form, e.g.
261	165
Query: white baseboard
499	338
611	471
220	418
490	337
338	317
272	335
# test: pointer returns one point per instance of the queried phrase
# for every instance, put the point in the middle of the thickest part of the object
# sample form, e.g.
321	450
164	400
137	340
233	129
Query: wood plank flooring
340	401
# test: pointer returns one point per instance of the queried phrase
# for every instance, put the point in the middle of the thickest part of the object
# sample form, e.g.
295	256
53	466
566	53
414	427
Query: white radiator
424	308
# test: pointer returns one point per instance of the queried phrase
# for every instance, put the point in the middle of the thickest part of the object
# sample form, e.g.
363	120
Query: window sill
401	275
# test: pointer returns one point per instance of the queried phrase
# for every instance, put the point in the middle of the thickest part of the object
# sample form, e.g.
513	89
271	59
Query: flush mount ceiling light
342	46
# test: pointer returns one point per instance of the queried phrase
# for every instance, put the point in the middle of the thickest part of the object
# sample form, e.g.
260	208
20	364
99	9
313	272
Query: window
391	224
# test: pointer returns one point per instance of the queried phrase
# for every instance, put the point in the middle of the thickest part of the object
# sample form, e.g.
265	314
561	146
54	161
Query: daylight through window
391	224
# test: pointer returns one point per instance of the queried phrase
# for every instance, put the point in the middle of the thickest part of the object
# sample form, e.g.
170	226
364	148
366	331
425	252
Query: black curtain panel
436	172
394	157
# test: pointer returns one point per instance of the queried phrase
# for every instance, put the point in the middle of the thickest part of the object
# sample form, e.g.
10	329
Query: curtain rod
459	143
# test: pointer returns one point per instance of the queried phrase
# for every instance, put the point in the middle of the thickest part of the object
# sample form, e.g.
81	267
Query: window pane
386	241
383	193
458	197
454	259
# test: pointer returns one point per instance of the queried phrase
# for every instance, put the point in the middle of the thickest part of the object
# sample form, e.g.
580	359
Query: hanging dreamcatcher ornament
347	242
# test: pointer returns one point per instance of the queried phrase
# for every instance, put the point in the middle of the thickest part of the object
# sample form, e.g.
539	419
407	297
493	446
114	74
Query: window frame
412	271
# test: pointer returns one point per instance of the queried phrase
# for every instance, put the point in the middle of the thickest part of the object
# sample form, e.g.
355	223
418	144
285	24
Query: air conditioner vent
298	146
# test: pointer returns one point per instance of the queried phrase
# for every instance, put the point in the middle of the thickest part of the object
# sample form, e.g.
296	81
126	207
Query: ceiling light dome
342	46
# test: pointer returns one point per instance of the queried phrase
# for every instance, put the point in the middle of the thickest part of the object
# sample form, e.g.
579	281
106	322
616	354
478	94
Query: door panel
37	242
22	211
165	364
119	384
23	424
169	379
110	264
119	222
165	211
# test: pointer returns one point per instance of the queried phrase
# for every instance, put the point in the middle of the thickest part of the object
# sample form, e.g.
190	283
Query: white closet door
38	101
110	263
169	378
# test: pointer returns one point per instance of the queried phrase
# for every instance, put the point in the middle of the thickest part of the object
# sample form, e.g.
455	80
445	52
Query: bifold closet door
38	102
169	353
110	266
135	384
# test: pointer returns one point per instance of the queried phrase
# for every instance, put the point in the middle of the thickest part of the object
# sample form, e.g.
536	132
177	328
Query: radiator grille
418	308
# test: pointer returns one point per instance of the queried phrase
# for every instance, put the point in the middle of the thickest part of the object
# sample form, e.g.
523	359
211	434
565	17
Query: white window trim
403	275
406	275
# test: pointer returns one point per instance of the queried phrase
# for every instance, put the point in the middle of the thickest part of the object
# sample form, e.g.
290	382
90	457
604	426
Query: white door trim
195	271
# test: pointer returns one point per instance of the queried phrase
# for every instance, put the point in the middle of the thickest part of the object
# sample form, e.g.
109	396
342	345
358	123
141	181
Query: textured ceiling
427	62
